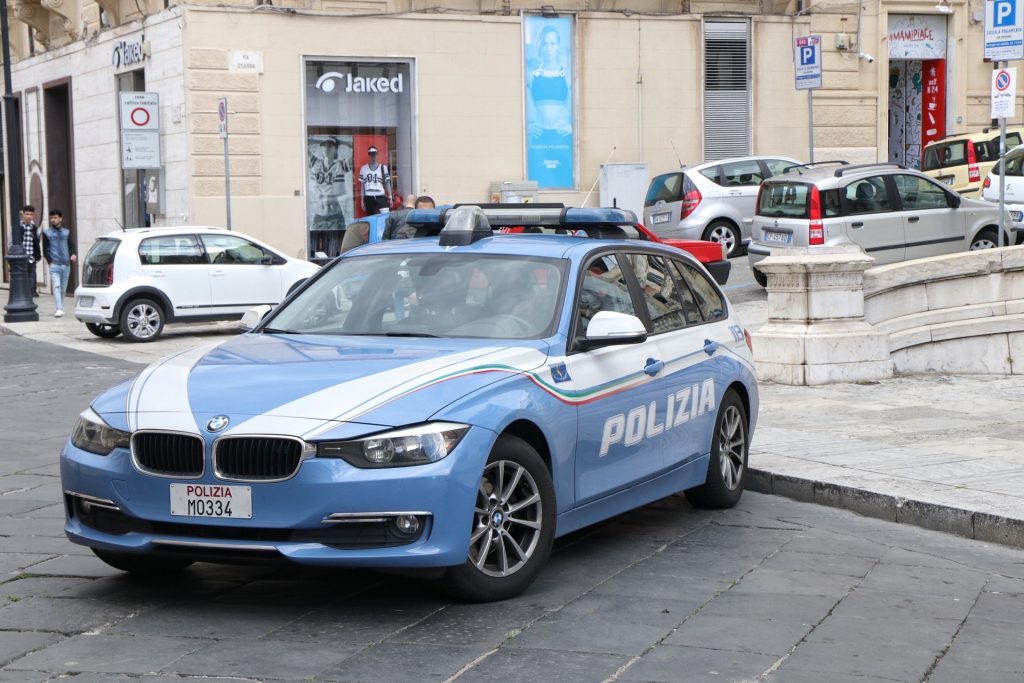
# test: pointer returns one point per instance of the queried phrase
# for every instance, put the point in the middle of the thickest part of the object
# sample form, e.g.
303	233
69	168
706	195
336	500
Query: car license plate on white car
1017	215
85	301
659	218
205	500
779	237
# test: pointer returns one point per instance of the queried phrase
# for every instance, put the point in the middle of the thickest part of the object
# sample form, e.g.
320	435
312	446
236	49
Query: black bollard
20	307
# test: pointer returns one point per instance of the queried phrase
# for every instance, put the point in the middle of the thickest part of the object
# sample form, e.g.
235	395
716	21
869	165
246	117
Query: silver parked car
893	213
712	201
1014	188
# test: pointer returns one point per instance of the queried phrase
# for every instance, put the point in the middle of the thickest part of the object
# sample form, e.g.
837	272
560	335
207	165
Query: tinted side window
831	203
1012	140
713	174
1014	165
661	296
740	173
225	250
603	288
170	250
916	193
665	188
986	152
709	301
867	195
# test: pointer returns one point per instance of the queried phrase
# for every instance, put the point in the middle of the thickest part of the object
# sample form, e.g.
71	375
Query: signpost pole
1002	174
807	70
222	115
810	122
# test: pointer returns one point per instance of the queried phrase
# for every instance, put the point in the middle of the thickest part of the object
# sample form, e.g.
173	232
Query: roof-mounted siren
465	225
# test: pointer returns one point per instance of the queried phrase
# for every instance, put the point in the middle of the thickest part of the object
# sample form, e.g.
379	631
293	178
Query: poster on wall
548	69
917	36
933	101
329	195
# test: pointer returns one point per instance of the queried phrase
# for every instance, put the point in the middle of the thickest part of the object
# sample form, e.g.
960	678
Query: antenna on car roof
676	152
119	224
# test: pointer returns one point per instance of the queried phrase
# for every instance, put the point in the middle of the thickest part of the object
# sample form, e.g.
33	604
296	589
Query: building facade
454	99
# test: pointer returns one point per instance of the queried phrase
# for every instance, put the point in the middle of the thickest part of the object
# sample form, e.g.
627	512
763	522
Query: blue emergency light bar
513	215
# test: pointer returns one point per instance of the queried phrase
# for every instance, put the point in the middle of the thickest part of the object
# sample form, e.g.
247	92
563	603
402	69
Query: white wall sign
917	36
129	53
1004	29
246	62
140	130
140	111
807	62
1004	93
140	149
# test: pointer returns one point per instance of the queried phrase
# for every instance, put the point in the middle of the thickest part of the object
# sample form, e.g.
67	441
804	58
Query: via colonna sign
917	36
128	53
548	68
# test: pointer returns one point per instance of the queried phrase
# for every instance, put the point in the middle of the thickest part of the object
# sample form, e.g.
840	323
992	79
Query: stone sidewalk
941	452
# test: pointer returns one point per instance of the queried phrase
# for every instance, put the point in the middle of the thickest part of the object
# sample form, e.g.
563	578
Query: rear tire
142	320
986	239
725	233
727	465
759	277
103	331
141	565
513	525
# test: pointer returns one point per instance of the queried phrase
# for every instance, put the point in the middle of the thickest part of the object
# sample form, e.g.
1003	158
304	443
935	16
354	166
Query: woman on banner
549	112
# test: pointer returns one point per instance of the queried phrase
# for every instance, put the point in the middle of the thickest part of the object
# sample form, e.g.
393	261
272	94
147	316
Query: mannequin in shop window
327	176
376	184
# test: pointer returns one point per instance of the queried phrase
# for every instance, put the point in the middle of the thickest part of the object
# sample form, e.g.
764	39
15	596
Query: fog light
86	507
407	524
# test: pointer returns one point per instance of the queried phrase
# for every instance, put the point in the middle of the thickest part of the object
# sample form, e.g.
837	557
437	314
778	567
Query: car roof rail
813	164
860	167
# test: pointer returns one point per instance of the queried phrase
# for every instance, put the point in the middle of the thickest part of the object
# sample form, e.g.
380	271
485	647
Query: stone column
816	333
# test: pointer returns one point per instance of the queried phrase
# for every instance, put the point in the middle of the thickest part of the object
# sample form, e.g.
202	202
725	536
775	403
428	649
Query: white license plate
205	500
86	301
659	218
1017	215
770	236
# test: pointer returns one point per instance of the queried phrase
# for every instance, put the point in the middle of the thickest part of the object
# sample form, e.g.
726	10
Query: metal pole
20	307
810	123
227	178
1002	174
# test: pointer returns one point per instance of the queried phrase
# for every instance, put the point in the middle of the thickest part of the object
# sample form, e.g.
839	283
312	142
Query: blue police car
456	402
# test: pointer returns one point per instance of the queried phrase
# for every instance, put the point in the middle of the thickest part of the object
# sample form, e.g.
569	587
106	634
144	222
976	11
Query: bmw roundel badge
218	423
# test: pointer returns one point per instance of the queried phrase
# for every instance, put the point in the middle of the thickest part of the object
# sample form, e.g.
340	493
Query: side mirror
608	328
954	201
253	317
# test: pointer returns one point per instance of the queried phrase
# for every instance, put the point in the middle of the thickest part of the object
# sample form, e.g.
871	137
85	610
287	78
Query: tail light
973	172
691	198
816	234
746	338
988	182
109	274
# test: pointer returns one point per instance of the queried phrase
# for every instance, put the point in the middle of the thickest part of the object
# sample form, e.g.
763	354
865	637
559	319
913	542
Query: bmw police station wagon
453	402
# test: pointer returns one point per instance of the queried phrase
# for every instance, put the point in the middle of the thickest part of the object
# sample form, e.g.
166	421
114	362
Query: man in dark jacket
30	241
59	251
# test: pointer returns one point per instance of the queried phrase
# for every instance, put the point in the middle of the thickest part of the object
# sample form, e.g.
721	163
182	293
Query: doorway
60	161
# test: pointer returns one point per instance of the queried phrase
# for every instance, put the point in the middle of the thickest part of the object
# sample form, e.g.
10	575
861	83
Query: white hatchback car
1014	188
134	282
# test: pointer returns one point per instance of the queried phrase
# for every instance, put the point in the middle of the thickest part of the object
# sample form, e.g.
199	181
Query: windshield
429	295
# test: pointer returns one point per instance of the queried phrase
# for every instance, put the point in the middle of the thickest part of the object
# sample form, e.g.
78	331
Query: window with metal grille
727	121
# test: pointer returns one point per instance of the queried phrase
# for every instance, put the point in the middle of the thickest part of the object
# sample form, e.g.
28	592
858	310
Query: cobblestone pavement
773	590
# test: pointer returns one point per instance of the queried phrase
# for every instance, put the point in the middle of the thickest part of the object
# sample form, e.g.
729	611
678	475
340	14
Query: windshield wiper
272	330
411	334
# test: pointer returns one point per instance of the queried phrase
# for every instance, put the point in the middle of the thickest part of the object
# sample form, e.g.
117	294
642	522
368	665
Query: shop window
359	145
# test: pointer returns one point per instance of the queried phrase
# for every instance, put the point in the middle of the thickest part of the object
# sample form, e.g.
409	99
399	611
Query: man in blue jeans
59	251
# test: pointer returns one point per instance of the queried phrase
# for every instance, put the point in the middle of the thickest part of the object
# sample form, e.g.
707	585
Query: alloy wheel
731	447
143	320
723	235
507	520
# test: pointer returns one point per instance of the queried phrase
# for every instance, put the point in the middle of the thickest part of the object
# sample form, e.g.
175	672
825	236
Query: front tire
142	320
513	525
725	233
103	331
728	462
986	239
141	565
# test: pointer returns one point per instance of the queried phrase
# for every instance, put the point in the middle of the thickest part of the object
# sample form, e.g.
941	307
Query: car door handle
157	273
913	219
217	273
735	193
710	347
653	366
858	224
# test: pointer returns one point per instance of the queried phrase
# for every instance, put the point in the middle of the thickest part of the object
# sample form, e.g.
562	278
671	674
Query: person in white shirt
376	183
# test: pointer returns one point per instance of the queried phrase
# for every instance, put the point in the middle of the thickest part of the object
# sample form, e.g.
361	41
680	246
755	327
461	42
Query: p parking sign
1004	29
807	61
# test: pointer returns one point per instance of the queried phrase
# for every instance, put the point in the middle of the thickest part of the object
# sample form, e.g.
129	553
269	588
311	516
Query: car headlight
96	436
416	445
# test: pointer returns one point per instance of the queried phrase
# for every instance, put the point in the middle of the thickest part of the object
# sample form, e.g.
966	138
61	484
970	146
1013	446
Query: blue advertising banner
548	60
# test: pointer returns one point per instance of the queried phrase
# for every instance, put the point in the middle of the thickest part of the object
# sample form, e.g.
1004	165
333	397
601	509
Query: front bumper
288	517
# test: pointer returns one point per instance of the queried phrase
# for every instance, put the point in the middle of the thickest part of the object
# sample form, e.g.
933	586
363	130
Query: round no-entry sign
140	116
1003	80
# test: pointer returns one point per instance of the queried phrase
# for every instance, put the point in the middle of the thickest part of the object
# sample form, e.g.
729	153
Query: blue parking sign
807	62
1004	29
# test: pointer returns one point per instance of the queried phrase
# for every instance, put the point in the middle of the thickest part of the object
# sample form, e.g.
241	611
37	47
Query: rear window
1014	164
665	188
98	269
784	200
944	155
